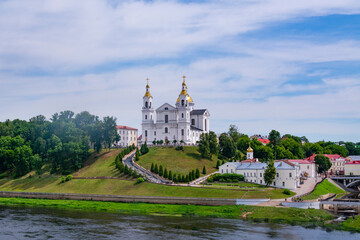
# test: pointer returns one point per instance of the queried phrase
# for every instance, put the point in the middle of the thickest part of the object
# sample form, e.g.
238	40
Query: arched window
146	104
145	116
145	133
166	118
182	102
150	104
182	115
166	108
154	133
166	130
193	121
182	132
205	125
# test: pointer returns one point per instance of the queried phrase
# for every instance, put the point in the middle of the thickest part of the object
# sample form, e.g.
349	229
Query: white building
287	174
180	123
128	136
352	168
306	166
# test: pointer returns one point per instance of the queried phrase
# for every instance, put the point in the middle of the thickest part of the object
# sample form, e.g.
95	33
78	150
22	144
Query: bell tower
147	113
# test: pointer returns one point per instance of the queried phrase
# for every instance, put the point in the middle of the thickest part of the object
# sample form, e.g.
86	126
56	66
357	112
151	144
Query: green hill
179	162
100	165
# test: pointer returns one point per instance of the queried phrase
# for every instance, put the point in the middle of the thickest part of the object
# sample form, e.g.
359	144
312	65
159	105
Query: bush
69	177
228	176
179	148
210	179
62	179
286	191
139	180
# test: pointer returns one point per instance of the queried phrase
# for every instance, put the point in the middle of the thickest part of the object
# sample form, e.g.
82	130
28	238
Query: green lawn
101	164
310	217
179	162
323	188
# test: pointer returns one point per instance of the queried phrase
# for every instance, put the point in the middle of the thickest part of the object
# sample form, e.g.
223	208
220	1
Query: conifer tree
204	170
193	174
197	173
126	169
152	169
218	164
166	173
170	175
156	169
187	178
161	172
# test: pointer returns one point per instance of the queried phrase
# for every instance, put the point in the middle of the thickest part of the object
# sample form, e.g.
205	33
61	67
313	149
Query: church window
277	174
182	115
145	133
145	116
166	130
261	181
154	133
146	104
150	104
193	121
260	174
205	125
166	118
289	174
182	102
166	108
283	184
182	132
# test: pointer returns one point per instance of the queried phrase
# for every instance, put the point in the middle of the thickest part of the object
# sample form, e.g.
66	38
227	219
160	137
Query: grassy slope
323	188
100	165
309	217
179	162
103	165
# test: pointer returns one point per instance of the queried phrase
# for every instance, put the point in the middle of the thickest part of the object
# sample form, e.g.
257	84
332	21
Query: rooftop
279	165
353	162
125	127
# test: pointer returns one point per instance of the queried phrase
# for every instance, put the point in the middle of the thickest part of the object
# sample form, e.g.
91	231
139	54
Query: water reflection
45	223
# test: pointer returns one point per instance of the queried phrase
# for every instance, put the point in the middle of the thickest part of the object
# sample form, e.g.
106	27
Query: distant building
352	168
128	136
337	163
264	141
354	157
306	166
287	173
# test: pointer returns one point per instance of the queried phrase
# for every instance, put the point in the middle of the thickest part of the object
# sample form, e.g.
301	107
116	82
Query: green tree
218	164
234	133
161	171
323	163
270	173
137	155
156	169
197	173
243	143
170	175
227	146
204	170
152	169
166	173
274	138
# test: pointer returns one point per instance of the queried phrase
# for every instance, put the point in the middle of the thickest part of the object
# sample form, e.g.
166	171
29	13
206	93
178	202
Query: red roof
353	162
300	161
330	156
125	127
263	140
139	138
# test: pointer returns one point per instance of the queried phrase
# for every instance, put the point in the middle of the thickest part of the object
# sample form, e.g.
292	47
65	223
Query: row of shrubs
226	177
163	172
124	168
66	179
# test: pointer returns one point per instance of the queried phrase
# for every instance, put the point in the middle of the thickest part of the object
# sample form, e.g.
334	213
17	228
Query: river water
47	223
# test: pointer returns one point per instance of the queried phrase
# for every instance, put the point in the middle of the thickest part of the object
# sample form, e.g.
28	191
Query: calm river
45	223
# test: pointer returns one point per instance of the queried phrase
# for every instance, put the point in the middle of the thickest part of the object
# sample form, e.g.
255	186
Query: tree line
233	145
176	178
63	142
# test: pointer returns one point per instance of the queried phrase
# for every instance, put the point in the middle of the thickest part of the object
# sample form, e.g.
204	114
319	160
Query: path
202	179
308	186
154	178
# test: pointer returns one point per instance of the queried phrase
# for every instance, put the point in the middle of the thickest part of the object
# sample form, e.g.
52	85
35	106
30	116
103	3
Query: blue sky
260	65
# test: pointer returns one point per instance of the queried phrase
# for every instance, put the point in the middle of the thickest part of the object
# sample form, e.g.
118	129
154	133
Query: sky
293	66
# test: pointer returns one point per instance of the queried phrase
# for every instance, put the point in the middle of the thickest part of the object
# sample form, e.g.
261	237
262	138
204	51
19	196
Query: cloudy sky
293	66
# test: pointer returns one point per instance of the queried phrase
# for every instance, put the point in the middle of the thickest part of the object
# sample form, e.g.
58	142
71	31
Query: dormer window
166	108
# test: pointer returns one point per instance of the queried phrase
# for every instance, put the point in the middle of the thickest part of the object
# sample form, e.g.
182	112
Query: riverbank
305	217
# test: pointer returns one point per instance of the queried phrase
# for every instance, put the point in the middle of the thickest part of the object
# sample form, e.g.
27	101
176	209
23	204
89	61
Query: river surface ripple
47	223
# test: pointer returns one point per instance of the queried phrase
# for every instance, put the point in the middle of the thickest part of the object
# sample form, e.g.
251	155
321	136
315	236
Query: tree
274	138
234	133
193	176
323	163
137	155
217	164
152	169
270	173
170	175
197	173
207	145
154	142
227	146
156	169
110	133
204	170
165	173
144	149
243	143
174	142
161	171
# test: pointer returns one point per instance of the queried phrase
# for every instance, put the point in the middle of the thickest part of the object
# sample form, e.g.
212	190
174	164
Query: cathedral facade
168	123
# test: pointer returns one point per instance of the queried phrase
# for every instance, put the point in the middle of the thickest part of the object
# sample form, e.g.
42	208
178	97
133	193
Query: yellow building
352	168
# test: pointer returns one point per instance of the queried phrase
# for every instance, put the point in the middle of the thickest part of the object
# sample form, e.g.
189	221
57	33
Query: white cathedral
180	123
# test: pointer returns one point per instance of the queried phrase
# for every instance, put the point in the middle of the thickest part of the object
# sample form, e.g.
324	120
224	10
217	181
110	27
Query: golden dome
147	94
190	99
250	149
184	92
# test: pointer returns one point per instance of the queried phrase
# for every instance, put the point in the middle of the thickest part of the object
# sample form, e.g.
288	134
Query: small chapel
181	122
